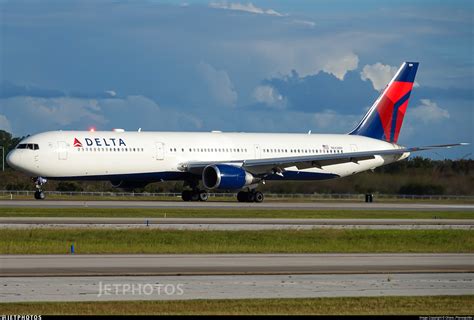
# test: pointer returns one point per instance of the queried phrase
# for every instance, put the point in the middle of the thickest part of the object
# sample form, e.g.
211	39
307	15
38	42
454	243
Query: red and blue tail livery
384	119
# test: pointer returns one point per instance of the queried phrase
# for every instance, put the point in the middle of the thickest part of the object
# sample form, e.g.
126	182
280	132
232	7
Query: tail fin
384	119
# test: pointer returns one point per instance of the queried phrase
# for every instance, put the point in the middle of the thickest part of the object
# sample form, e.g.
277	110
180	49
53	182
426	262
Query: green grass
231	213
98	241
430	305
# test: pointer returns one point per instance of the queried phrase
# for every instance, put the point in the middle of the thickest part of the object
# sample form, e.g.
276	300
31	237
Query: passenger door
257	151
62	150
160	150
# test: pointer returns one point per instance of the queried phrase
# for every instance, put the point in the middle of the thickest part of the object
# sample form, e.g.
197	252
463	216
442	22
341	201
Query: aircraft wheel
186	195
242	196
258	197
39	195
203	195
250	196
195	196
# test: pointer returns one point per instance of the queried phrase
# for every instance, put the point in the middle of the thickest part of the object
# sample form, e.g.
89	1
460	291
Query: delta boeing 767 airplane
222	161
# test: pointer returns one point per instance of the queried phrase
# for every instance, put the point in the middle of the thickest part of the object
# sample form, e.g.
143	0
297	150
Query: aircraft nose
13	158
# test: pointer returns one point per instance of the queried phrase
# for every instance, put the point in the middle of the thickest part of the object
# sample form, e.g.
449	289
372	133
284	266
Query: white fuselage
157	156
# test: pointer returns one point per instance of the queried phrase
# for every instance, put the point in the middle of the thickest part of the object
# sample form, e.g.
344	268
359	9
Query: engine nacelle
226	177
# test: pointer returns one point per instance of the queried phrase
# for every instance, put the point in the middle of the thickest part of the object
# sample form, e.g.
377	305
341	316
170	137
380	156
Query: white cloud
429	112
5	124
269	96
29	115
306	57
58	112
112	93
306	23
339	67
219	84
249	7
379	74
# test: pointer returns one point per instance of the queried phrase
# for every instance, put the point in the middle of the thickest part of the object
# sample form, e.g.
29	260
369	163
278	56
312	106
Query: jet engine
226	177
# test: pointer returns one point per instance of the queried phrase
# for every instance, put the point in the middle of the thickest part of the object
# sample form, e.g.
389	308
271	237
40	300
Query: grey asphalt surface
232	223
212	264
237	205
14	289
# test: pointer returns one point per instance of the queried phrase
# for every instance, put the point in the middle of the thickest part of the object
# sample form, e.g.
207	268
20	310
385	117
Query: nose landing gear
39	182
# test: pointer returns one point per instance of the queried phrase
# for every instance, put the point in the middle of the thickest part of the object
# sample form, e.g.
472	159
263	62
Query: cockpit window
32	146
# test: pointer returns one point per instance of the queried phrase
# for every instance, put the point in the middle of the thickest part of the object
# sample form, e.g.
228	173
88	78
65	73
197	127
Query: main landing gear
194	195
250	196
39	182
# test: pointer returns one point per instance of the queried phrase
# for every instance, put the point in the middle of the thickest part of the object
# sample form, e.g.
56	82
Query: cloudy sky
263	66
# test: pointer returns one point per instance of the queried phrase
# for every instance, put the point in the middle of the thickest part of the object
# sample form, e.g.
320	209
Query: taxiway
237	205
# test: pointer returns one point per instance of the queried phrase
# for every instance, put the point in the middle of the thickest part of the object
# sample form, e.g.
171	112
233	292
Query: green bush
68	186
421	189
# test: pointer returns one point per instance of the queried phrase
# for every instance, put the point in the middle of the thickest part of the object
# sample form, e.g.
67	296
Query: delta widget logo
77	143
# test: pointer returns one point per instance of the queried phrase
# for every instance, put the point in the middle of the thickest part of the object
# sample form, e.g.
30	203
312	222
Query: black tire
186	195
250	196
203	196
242	196
259	197
195	196
39	195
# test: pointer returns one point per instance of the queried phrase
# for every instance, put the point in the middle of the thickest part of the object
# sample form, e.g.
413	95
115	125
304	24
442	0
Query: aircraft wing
276	165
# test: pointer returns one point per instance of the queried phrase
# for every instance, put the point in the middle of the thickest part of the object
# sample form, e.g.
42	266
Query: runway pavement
207	264
27	278
237	205
233	223
14	289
